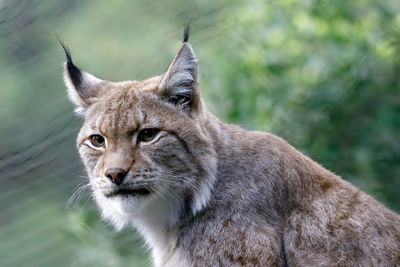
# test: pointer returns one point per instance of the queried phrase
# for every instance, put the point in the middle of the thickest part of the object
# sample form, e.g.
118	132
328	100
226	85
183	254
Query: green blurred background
324	75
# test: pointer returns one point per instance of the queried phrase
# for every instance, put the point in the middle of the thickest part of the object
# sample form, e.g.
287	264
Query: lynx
205	193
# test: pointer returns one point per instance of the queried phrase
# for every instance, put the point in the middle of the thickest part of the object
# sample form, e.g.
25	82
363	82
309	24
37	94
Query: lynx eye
146	135
97	140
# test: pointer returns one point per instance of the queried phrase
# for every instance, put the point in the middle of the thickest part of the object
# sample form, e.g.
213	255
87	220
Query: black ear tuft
74	72
186	33
66	50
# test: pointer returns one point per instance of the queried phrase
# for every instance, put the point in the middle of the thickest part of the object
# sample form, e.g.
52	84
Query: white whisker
77	194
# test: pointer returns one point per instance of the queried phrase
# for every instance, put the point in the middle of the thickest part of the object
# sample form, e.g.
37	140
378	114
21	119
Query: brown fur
221	195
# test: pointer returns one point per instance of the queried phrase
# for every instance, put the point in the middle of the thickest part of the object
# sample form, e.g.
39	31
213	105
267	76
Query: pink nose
116	175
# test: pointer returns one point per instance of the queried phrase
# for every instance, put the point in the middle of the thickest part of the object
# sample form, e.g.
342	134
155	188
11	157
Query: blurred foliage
322	74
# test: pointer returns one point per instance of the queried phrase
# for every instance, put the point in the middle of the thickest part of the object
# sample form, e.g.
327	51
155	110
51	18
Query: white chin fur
118	210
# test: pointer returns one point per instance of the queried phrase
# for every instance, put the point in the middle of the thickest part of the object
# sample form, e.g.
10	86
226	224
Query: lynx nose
116	175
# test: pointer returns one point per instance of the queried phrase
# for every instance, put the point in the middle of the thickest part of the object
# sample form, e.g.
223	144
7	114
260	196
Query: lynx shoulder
205	193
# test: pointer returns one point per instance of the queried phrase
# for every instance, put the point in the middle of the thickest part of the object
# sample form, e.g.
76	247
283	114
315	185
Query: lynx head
144	142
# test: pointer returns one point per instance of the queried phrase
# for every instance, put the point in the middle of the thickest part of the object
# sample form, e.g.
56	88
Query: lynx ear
179	83
83	88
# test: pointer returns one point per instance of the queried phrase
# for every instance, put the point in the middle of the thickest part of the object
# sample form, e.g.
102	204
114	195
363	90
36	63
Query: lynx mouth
130	192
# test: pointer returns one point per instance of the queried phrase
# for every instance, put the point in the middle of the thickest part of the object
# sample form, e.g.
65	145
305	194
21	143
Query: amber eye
97	140
146	135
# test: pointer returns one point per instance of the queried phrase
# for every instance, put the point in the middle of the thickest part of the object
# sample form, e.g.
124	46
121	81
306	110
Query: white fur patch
89	86
181	77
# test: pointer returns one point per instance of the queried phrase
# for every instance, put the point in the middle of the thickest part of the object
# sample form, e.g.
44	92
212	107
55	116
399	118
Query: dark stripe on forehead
119	113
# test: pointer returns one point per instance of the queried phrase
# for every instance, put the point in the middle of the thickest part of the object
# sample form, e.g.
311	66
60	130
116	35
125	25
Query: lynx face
142	142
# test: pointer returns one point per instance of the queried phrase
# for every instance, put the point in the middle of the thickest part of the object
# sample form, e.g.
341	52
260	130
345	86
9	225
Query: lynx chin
205	193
